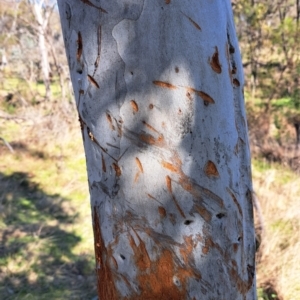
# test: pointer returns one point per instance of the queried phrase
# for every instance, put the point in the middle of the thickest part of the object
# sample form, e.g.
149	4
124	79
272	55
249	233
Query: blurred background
46	242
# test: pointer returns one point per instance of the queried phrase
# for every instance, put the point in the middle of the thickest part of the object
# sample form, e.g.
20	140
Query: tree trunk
41	27
159	91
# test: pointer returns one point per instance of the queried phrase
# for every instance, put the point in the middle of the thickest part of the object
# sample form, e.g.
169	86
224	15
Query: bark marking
93	81
103	163
150	139
235	201
109	119
236	82
169	186
203	212
139	164
196	25
140	167
105	279
162	211
134	106
117	169
215	63
87	2
170	167
96	63
206	98
156	278
164	84
79	46
211	169
150	127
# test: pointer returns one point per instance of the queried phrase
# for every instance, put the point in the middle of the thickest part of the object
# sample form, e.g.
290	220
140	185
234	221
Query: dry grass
45	251
278	268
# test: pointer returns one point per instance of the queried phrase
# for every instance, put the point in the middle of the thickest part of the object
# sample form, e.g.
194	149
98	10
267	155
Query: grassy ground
46	244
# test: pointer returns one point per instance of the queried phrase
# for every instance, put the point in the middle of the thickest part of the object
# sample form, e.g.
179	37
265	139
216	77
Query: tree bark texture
41	28
159	91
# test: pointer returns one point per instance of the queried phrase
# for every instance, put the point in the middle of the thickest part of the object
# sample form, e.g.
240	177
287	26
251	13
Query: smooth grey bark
159	91
42	22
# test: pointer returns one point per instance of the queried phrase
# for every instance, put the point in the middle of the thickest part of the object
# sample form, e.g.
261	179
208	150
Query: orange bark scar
93	81
150	139
134	106
156	278
215	63
79	46
164	84
140	253
109	119
203	95
162	211
136	178
117	169
196	25
169	186
204	213
150	127
170	166
139	164
105	280
235	201
236	82
211	169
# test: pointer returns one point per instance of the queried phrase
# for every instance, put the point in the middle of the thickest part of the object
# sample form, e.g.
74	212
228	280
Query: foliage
270	40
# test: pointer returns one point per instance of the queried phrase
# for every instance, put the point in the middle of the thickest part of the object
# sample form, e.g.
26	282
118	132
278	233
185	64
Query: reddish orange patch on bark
170	166
150	127
156	278
162	211
211	169
93	5
169	183
164	84
141	255
236	82
147	138
150	139
117	169
93	81
139	164
187	251
105	280
110	122
134	106
203	212
79	46
215	63
203	95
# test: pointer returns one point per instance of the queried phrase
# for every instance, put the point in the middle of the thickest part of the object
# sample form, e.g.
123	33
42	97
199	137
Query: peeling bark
166	144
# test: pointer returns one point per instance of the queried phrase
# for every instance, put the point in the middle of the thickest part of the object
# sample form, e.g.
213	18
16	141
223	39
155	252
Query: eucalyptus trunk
159	91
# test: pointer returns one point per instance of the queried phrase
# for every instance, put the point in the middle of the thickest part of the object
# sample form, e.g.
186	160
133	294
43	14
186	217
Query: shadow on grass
37	242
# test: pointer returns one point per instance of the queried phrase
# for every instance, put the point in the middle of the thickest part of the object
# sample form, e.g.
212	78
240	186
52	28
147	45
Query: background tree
158	87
